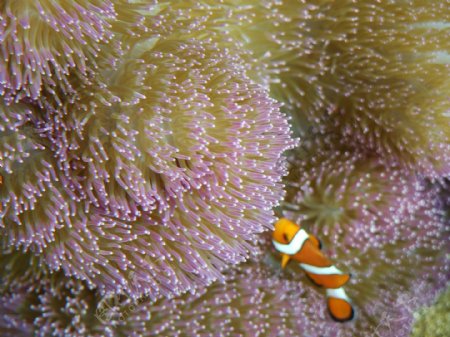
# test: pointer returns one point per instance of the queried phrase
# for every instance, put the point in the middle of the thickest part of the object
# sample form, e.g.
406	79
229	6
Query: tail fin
339	305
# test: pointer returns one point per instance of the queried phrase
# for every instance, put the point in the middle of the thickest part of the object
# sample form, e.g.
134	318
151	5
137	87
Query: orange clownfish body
294	243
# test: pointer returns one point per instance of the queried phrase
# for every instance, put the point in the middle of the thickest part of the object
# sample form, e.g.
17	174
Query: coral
434	321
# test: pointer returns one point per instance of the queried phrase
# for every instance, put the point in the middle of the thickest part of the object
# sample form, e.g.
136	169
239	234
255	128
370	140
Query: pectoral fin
284	260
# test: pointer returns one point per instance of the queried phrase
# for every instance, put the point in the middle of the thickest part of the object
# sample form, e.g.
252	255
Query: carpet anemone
18	269
65	307
11	323
49	305
381	83
375	71
164	164
260	300
19	273
43	41
55	305
257	299
141	159
34	201
332	186
384	225
175	158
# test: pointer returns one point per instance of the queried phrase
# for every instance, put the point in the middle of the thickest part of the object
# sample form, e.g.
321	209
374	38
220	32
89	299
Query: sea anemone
164	167
260	300
383	224
377	72
11	322
141	159
18	274
48	304
256	300
65	307
42	42
45	43
332	186
55	305
34	199
17	268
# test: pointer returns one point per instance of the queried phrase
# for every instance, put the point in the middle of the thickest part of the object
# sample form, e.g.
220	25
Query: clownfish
295	243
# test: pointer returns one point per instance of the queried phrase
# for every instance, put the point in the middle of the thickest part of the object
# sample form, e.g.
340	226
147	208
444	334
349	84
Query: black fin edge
352	315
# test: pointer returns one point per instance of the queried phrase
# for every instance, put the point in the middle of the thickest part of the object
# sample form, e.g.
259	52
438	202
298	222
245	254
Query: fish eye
285	237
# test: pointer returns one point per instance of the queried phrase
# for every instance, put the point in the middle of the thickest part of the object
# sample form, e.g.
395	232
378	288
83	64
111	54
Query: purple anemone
162	171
